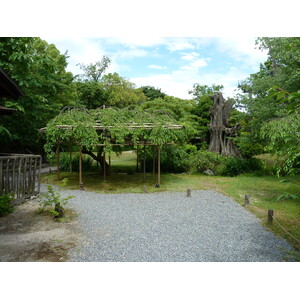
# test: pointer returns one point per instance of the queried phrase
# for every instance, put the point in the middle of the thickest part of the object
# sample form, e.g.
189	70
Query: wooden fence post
18	175
7	190
270	216
39	174
188	192
247	200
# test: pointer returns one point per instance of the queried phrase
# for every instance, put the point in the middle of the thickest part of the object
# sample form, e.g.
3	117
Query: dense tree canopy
40	70
121	92
94	72
271	97
152	93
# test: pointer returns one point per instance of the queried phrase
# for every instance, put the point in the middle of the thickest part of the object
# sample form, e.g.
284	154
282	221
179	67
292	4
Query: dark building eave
8	88
6	110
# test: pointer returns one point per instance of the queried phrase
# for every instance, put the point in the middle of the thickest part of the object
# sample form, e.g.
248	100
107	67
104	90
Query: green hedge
5	205
88	164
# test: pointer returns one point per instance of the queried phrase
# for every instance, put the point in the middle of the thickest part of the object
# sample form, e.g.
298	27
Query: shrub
234	166
204	160
53	199
174	158
247	145
224	165
5	205
88	163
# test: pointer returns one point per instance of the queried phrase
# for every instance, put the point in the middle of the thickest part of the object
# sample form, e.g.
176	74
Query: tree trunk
221	133
99	158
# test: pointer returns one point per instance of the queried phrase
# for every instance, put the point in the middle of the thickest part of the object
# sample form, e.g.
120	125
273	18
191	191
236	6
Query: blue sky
172	64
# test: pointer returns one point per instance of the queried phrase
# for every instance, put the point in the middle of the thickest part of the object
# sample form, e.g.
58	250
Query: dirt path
26	236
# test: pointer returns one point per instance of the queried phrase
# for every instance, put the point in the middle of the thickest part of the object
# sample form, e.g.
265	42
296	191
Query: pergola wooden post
144	161
58	160
158	165
80	169
137	158
104	166
70	157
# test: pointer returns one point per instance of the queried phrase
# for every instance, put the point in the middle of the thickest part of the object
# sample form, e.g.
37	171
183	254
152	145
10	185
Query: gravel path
170	227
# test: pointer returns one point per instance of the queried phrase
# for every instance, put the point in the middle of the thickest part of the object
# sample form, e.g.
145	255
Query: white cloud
242	49
177	46
131	53
179	82
80	50
157	67
189	56
195	65
137	41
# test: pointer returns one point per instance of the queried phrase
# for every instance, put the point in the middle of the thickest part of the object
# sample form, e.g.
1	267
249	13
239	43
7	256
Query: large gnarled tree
221	134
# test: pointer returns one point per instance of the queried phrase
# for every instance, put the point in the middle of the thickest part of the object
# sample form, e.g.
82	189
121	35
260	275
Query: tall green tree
178	108
120	92
94	71
152	93
40	70
89	85
271	98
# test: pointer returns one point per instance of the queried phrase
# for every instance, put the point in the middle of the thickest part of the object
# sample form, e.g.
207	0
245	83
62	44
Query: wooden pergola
127	142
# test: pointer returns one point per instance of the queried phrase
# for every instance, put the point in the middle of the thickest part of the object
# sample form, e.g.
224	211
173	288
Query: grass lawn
263	190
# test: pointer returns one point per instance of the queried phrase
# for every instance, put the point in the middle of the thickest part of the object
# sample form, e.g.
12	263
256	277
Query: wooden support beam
19	178
24	177
104	166
144	162
137	159
29	176
158	166
80	169
39	175
58	160
7	177
34	174
71	157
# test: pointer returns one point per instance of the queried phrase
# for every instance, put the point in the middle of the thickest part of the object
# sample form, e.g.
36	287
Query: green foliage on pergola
108	126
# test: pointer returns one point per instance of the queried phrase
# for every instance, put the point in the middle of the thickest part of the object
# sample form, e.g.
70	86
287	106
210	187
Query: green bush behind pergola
107	126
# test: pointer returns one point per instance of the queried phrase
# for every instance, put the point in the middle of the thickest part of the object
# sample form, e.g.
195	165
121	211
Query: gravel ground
170	227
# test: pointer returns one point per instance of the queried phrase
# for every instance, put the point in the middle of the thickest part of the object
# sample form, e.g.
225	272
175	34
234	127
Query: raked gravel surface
170	227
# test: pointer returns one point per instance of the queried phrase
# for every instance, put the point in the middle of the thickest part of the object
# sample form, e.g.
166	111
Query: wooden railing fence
20	175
